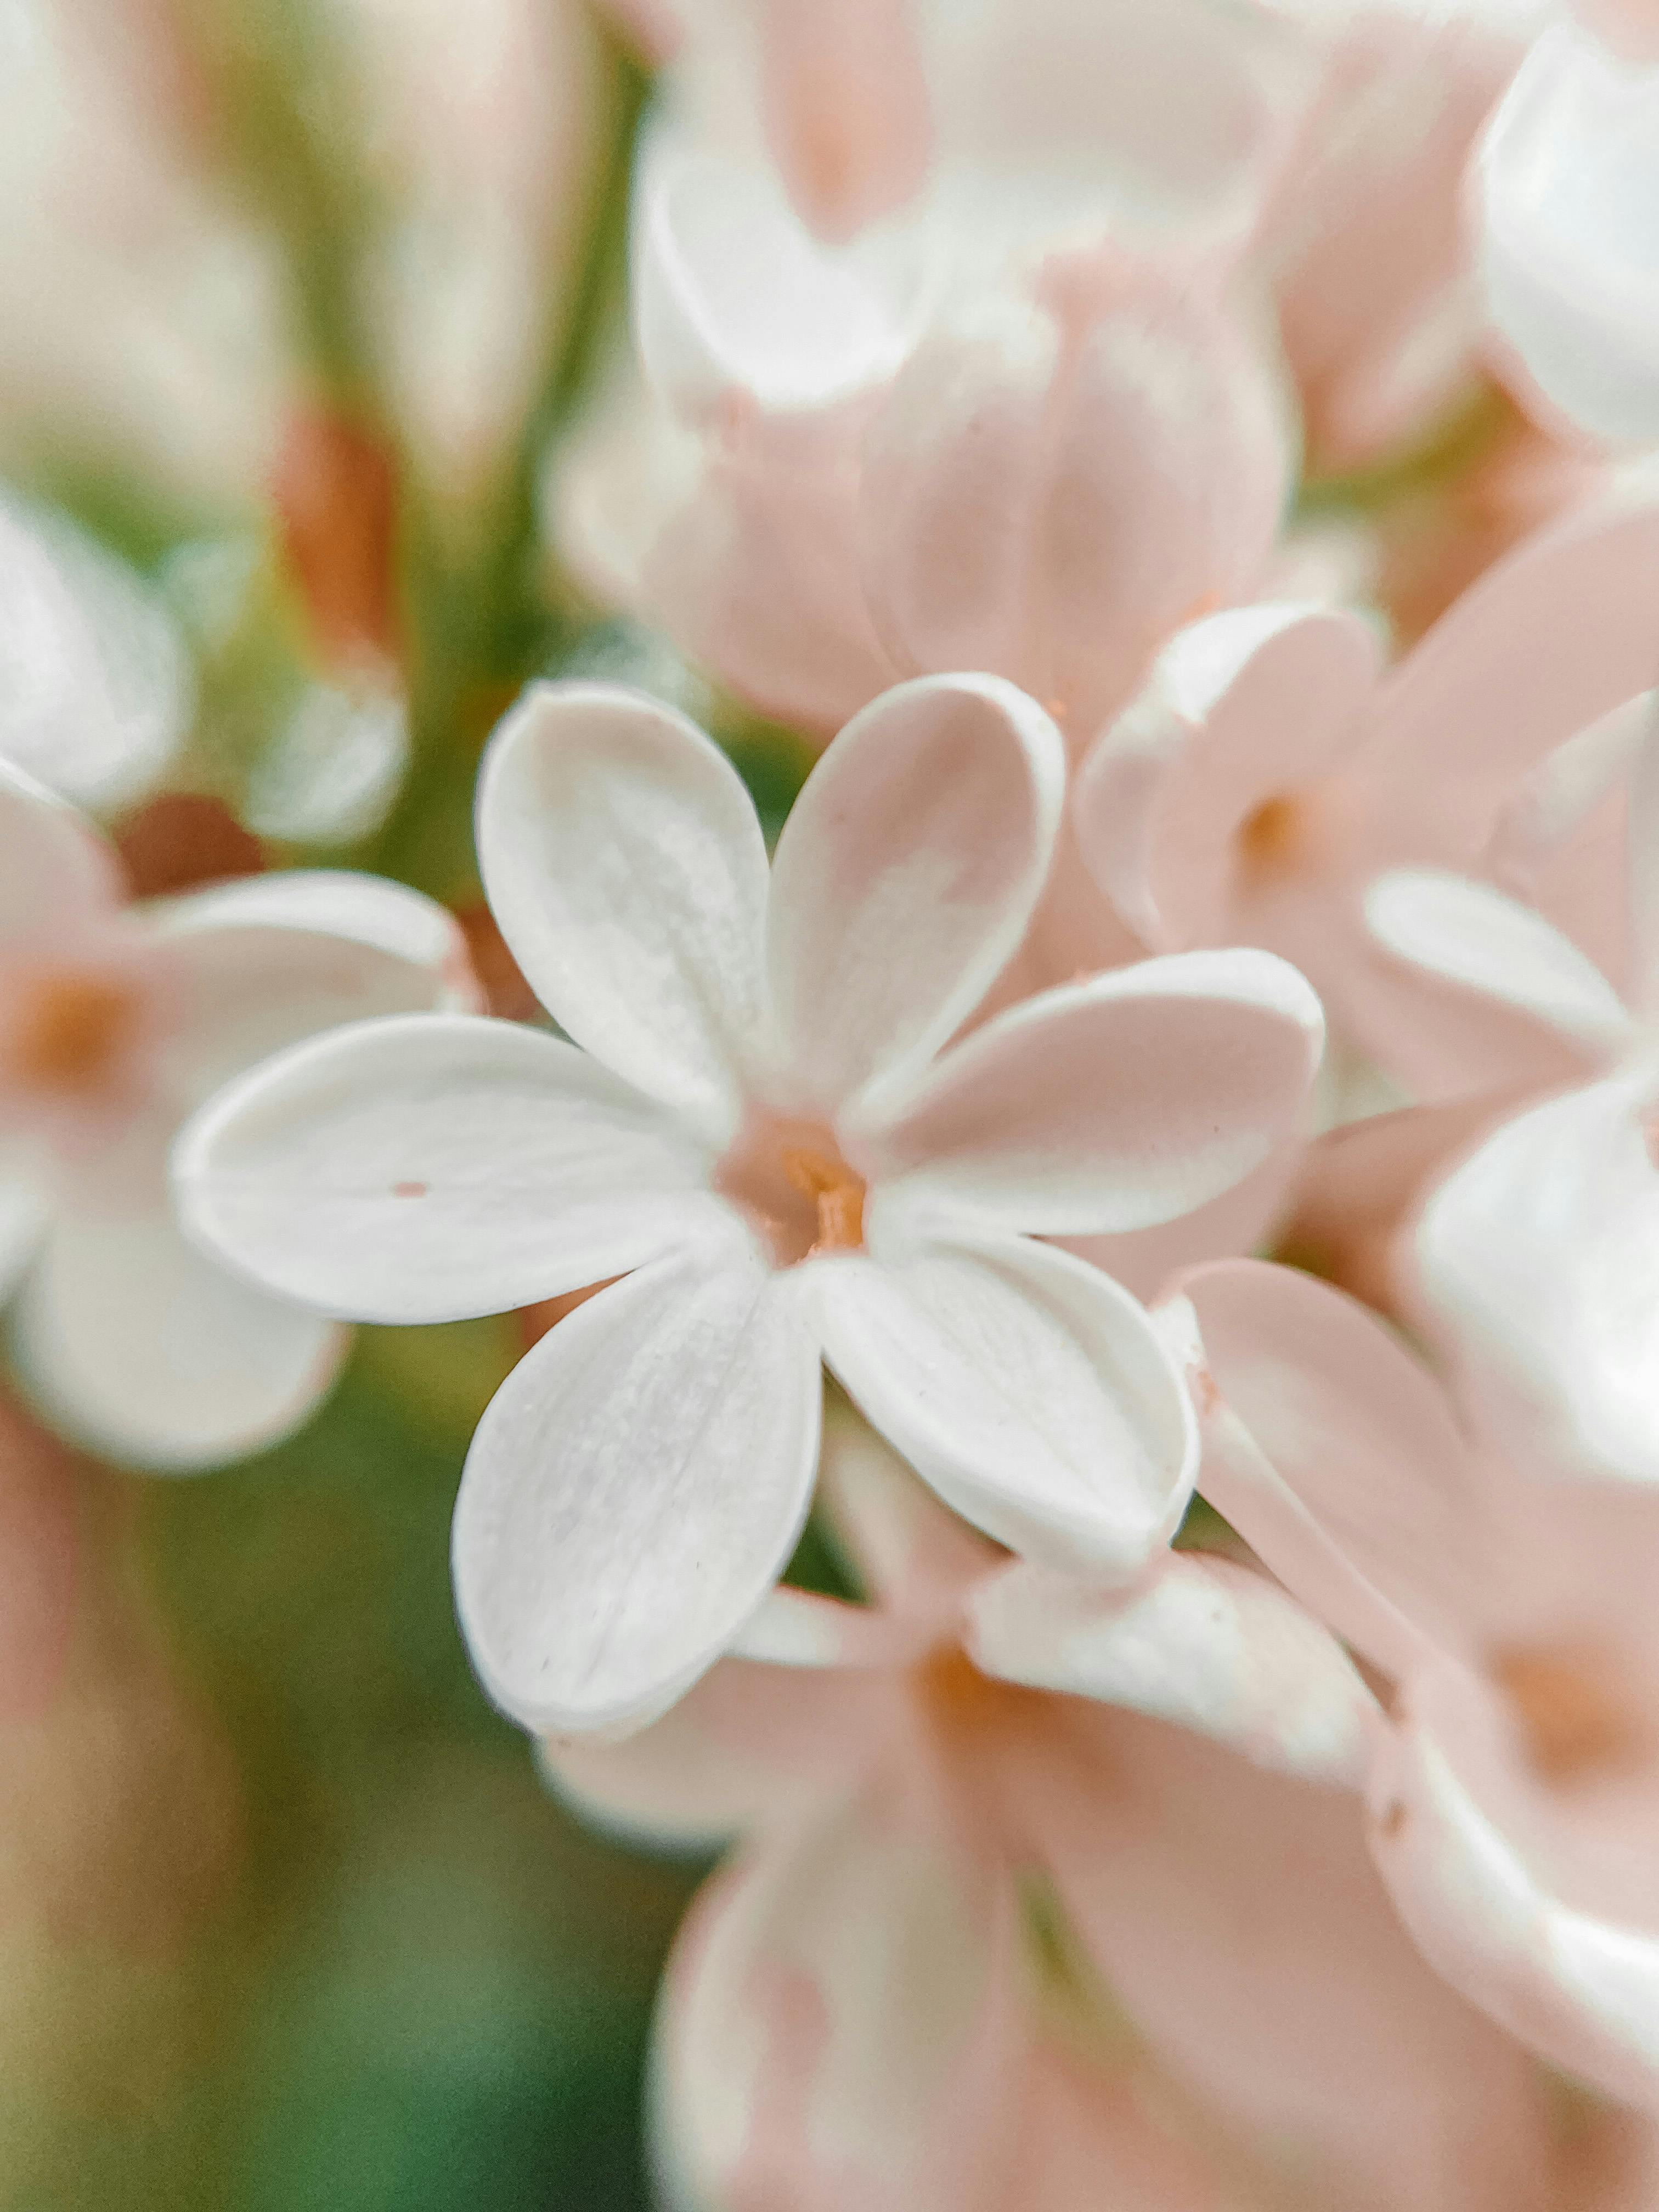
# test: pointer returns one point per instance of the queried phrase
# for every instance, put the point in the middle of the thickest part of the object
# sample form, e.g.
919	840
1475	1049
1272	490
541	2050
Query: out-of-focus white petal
1204	1642
432	1166
1028	1388
54	868
635	1488
732	293
905	877
625	865
1570	187
1112	1104
27	1183
95	690
369	910
1331	1451
144	1350
1540	1254
1479	1889
1470	933
1642	856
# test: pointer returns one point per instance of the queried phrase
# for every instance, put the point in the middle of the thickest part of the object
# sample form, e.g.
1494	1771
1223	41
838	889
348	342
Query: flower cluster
1148	1176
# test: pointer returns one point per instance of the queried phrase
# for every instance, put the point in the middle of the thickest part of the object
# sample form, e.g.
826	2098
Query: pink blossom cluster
1157	1166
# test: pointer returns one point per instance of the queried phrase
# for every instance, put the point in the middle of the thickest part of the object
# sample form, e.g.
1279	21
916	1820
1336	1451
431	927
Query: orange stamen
838	1194
1573	1721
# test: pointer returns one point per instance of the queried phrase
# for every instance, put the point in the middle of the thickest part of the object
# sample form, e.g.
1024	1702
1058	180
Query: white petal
1469	932
1570	180
1026	1387
432	1166
1641	854
635	1489
1540	1253
262	964
626	867
145	1351
905	876
95	690
732	293
1112	1104
1204	1642
56	871
26	1191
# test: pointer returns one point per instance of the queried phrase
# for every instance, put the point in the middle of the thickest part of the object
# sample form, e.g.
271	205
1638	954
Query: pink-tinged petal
1568	176
1477	1878
260	965
845	101
1641	854
1240	709
732	293
431	1166
911	1554
98	691
635	1488
798	1629
57	873
842	2018
1331	1451
1056	481
1111	1105
1237	1920
1027	1387
41	1553
1630	28
144	1350
905	876
1241	1220
1539	1257
1203	1641
624	863
749	1747
1468	932
1551	638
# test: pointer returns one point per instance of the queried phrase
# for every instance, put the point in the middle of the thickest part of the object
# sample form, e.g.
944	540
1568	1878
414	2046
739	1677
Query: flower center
1273	839
1566	1697
68	1029
788	1178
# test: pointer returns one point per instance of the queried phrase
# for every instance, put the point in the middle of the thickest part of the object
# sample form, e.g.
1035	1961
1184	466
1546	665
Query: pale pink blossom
1569	194
1273	767
757	1127
1514	1799
115	1022
998	1803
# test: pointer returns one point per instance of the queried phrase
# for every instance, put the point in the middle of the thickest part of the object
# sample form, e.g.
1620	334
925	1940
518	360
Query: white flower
758	1118
114	1024
1569	179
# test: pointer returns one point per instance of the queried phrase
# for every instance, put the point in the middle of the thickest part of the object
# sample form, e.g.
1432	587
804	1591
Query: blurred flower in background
1068	1585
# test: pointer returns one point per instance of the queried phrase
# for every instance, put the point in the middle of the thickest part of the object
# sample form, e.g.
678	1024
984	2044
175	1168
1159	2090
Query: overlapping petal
1204	1642
1111	1105
905	877
635	1488
56	871
425	1167
626	867
1028	1388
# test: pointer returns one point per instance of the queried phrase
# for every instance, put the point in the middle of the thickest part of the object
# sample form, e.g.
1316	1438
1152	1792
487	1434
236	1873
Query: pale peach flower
1514	1797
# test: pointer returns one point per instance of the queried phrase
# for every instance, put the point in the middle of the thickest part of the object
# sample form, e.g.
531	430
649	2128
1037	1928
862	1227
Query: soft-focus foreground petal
144	1350
1056	481
1569	181
748	1748
1204	1642
263	962
1241	707
431	1166
1479	1885
1330	1450
842	2019
1469	932
1540	1257
905	876
97	691
1114	1103
626	867
1027	1387
1241	1928
635	1488
56	871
